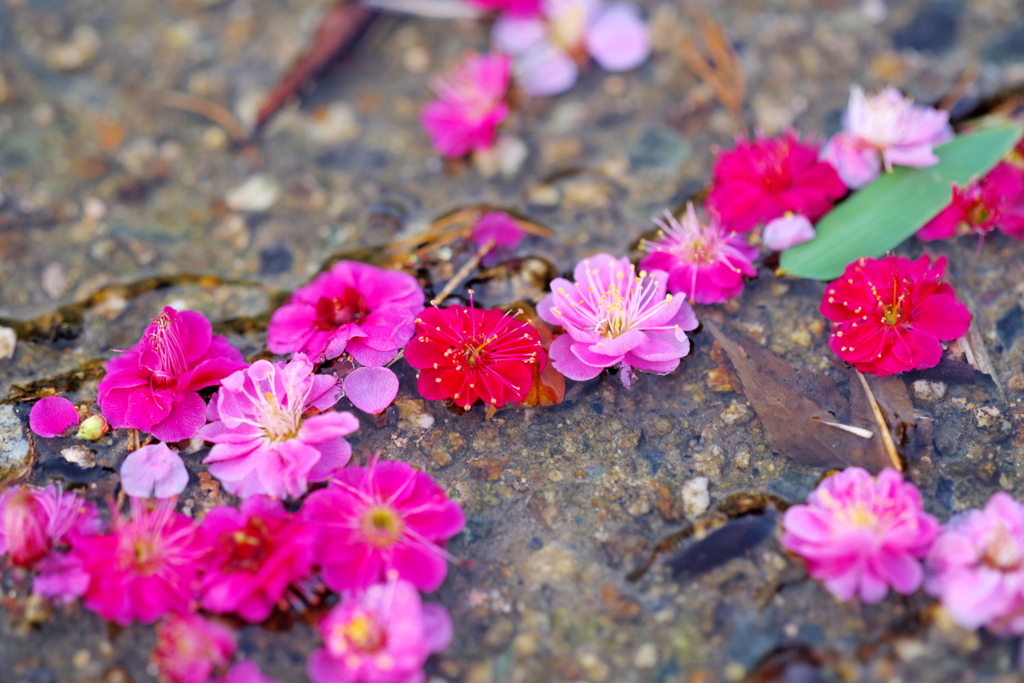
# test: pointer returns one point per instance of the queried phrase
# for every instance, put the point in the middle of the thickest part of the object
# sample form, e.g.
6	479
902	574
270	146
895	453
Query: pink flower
265	441
190	649
615	318
52	416
245	671
786	231
995	201
383	635
154	386
861	535
703	262
500	227
467	354
36	520
762	179
886	129
154	470
353	307
147	566
60	577
371	389
976	567
470	105
256	554
549	49
380	518
890	314
515	8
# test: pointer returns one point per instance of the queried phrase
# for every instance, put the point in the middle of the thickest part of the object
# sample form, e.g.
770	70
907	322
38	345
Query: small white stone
422	420
928	392
8	341
79	455
332	124
696	498
55	280
256	194
78	52
646	656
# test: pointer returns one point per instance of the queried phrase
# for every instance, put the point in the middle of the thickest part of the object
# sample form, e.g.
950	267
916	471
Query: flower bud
93	428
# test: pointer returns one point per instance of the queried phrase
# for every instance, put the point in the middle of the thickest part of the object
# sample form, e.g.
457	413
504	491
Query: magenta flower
147	566
36	520
380	518
976	567
887	130
615	318
549	49
371	389
515	8
190	649
61	577
52	416
382	635
470	105
995	201
703	262
265	442
154	386
256	554
862	535
787	231
353	307
153	471
500	227
245	671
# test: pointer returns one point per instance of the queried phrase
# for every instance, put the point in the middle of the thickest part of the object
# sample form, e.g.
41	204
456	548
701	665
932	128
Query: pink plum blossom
515	8
387	516
549	49
470	105
787	231
382	635
245	671
265	439
500	227
885	130
189	648
153	471
703	261
861	535
614	317
61	577
256	554
52	416
976	567
995	201
154	386
147	566
35	520
353	307
371	389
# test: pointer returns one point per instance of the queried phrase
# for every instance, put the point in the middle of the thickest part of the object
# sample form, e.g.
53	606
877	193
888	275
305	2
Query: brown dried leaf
798	422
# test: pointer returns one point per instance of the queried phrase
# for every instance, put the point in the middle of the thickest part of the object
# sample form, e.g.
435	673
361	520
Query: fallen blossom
467	354
862	535
885	130
61	577
549	49
52	416
155	385
266	439
786	231
190	649
500	227
382	518
245	671
153	471
382	635
616	318
762	179
515	8
890	314
704	262
354	308
35	520
256	554
371	389
470	106
995	201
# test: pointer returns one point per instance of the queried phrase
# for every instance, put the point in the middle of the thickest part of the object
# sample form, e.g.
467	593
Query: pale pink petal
52	416
437	627
515	36
618	40
856	163
371	389
153	471
545	70
787	231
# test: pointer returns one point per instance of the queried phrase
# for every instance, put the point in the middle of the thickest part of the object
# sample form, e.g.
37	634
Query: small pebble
8	342
55	281
550	565
696	498
543	195
737	413
646	656
927	391
256	194
79	455
332	124
78	52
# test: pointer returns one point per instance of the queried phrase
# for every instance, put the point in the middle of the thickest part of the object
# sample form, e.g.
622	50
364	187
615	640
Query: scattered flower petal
787	231
190	649
371	389
52	416
153	471
470	105
500	227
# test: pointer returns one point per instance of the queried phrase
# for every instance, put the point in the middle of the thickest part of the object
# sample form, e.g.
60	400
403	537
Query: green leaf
877	218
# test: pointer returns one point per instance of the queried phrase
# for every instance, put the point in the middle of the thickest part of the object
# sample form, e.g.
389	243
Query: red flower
889	314
469	353
995	201
764	178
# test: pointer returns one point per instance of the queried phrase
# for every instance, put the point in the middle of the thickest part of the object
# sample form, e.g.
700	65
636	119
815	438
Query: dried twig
959	89
883	428
713	59
464	271
208	110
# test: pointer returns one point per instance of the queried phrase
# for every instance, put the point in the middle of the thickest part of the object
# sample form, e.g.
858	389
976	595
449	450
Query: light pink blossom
190	649
36	520
861	535
52	416
265	439
245	671
887	130
549	49
153	471
976	567
353	307
382	635
255	555
155	385
371	389
380	518
703	261
500	227
614	317
470	105
787	231
61	577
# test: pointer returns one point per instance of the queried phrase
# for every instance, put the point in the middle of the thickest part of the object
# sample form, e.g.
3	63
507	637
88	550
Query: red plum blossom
995	201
